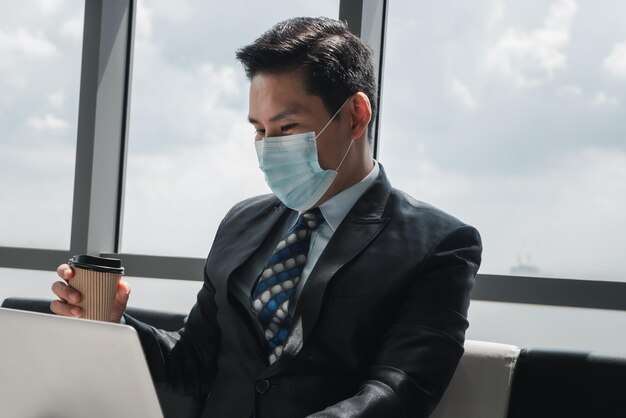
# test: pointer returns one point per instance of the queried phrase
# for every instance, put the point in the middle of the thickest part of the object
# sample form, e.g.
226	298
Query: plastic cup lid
100	264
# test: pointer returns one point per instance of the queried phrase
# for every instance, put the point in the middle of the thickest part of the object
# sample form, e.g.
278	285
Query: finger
65	309
65	272
123	292
65	292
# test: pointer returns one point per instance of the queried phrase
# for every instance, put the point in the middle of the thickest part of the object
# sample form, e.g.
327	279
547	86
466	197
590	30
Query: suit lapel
247	235
362	224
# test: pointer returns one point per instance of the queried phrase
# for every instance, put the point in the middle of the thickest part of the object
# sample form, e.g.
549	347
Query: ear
360	115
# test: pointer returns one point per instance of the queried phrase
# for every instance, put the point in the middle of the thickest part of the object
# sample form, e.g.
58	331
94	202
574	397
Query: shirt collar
337	207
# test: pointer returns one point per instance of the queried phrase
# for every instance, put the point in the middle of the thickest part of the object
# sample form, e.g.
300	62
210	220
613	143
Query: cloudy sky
511	116
40	50
508	114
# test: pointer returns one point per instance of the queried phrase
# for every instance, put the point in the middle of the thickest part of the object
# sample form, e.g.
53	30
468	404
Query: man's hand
69	296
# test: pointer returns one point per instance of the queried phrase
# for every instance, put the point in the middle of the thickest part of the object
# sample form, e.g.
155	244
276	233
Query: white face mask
292	169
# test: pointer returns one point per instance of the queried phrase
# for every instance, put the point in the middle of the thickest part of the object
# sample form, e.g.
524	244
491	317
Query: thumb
123	292
121	300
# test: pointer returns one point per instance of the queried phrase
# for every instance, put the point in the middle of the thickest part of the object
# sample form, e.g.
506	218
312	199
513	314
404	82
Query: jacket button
263	386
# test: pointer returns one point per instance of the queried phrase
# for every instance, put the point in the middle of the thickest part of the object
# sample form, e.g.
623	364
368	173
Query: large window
191	153
40	50
511	115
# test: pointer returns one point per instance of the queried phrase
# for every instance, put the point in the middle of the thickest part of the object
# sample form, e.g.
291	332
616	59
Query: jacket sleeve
424	342
184	360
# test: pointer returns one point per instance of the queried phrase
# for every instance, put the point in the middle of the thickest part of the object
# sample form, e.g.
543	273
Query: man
337	295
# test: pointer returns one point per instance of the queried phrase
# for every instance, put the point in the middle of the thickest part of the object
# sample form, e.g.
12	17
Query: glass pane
40	46
191	154
511	116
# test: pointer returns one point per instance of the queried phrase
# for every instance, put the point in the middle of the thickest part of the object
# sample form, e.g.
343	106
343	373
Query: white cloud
570	90
48	122
210	161
199	98
540	214
165	10
462	95
73	28
27	43
49	6
38	180
529	58
178	11
603	99
195	186
143	26
615	62
56	99
495	13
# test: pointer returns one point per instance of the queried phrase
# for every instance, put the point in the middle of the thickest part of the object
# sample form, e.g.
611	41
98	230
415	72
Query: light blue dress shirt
334	210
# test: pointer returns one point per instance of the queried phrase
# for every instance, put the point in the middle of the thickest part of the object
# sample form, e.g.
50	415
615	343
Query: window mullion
101	127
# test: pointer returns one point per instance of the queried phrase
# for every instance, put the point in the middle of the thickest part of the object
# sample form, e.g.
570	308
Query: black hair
336	63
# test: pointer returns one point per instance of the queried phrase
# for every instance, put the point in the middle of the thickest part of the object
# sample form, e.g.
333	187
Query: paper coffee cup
96	278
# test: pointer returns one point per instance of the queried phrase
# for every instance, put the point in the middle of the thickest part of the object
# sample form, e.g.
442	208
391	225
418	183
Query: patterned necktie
278	280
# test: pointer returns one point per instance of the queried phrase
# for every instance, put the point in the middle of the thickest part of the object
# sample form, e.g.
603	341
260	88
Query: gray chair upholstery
481	385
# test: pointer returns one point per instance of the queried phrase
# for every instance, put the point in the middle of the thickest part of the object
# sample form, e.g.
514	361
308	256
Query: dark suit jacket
378	330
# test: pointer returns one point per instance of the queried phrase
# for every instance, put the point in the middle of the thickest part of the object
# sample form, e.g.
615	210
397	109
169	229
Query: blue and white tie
279	278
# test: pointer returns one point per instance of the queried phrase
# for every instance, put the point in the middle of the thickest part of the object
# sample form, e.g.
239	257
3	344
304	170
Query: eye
288	127
259	133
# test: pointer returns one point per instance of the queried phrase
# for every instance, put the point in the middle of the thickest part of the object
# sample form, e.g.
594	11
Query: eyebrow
281	115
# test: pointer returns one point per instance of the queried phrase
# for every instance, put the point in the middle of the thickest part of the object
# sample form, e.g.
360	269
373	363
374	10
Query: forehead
271	94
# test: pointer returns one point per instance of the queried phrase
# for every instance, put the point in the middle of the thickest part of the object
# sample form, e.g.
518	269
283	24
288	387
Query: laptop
57	367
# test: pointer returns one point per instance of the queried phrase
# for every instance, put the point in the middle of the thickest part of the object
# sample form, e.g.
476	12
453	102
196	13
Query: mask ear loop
331	119
345	155
328	123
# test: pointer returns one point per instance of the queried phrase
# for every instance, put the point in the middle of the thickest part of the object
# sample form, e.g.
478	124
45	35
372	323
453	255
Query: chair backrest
566	383
481	385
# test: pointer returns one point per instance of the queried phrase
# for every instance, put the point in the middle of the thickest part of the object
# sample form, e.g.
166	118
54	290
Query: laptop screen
53	367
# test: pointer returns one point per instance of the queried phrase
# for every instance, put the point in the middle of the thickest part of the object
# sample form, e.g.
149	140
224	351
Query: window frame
101	152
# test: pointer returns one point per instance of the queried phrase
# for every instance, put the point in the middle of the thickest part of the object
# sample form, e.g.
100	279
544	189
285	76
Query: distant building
525	269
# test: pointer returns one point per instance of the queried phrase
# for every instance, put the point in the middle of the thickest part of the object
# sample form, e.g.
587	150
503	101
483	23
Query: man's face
279	105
